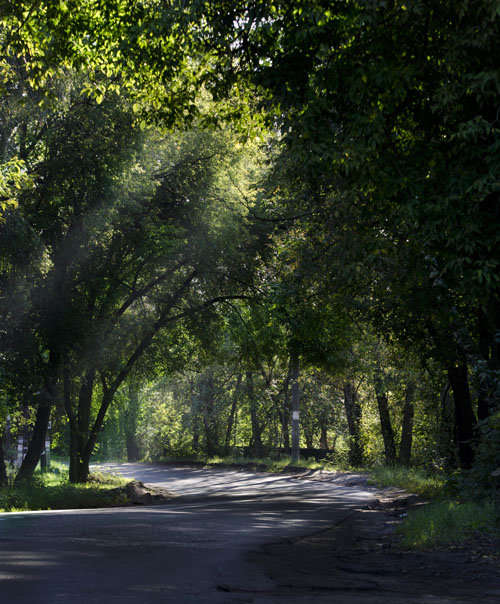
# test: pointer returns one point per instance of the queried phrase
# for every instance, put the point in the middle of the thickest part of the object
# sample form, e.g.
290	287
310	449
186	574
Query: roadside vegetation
449	522
414	480
52	490
450	512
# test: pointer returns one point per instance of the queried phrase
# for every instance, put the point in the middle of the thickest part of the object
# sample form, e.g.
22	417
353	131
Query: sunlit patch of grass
52	490
448	522
413	480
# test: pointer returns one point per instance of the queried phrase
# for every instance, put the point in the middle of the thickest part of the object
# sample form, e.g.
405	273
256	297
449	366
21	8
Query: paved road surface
189	551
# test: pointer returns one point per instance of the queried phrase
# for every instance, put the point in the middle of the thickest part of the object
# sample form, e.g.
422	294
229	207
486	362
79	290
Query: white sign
295	415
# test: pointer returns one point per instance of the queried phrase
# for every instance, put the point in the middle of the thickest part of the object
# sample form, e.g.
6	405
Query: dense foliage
216	213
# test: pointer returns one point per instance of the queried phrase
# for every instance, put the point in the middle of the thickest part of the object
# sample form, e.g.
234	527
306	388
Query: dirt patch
361	558
137	493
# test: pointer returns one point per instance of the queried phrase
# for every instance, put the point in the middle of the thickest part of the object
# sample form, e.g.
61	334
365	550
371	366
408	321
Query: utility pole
295	367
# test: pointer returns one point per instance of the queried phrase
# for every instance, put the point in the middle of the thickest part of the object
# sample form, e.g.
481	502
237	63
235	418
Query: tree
189	266
393	108
121	239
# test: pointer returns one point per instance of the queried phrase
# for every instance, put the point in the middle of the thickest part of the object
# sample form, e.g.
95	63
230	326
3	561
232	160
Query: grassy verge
52	491
413	480
446	518
446	522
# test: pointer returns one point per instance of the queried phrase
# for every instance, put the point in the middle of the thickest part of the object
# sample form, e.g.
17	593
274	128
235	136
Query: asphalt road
190	550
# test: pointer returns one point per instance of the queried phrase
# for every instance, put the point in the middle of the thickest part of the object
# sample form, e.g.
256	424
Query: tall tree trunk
3	471
353	412
488	326
209	420
83	457
196	434
407	427
132	447
495	345
483	402
295	371
464	414
195	416
7	436
445	438
83	424
37	443
258	449
323	439
230	422
68	405
130	426
285	423
385	418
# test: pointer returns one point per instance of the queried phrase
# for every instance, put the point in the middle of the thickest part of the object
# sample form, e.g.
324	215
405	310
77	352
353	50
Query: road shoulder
361	557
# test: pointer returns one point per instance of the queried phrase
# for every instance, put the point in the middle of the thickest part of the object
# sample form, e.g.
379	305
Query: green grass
447	522
52	491
442	521
413	480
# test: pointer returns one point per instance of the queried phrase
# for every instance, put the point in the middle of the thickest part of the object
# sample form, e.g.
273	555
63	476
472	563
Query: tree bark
68	406
353	413
3	471
385	418
209	420
285	423
196	435
323	439
258	449
445	438
483	406
488	326
295	371
37	442
83	425
464	414
130	426
230	423
407	427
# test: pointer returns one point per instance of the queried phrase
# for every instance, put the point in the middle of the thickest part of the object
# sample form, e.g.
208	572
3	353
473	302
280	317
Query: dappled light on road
161	553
